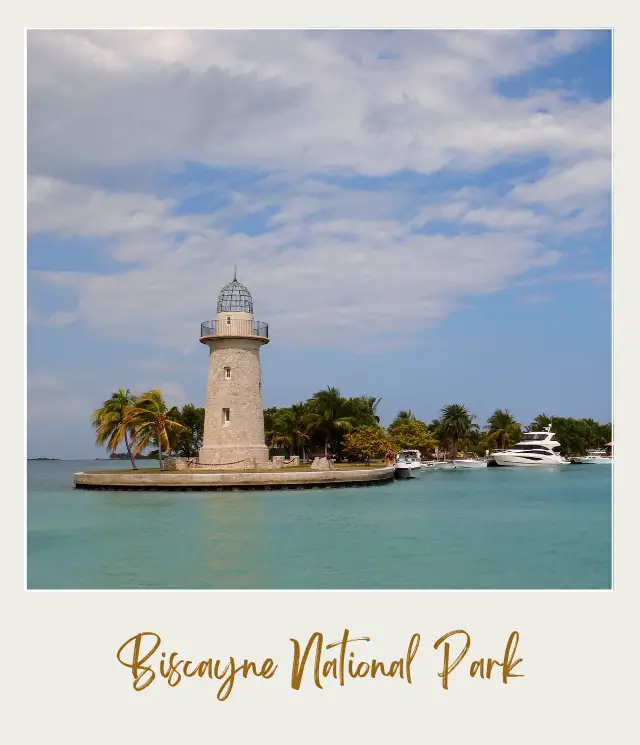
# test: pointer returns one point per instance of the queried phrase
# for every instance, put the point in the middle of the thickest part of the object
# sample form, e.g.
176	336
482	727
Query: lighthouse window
227	372
225	415
228	320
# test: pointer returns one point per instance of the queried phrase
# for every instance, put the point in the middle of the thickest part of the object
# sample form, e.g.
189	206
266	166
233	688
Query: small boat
471	462
594	457
535	449
445	465
440	465
408	465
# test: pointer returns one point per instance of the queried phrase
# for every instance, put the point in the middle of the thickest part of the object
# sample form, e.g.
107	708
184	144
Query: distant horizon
420	216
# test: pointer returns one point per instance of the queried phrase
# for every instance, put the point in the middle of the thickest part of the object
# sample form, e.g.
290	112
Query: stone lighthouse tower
233	420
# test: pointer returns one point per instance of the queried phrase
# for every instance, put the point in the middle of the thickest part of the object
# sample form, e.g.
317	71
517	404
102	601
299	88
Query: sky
420	216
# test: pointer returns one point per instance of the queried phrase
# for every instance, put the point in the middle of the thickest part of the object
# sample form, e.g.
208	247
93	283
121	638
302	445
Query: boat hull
527	461
593	461
470	463
406	473
441	465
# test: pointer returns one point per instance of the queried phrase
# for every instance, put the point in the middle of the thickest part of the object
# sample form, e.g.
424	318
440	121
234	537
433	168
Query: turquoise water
494	528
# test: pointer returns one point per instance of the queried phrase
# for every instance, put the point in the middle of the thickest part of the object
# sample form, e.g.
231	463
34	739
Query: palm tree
371	404
504	427
456	423
111	423
540	422
327	415
175	436
290	428
592	434
150	422
434	429
405	414
270	427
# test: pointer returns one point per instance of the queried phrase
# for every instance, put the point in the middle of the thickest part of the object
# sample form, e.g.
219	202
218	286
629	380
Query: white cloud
58	206
584	180
335	281
505	218
338	266
297	100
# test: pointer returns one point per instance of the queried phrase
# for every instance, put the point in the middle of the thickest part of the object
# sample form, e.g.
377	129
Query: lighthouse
233	419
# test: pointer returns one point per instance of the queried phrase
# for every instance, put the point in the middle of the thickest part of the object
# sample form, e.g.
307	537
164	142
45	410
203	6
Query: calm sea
494	528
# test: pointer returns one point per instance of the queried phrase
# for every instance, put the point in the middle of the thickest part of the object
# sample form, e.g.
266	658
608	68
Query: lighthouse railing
234	327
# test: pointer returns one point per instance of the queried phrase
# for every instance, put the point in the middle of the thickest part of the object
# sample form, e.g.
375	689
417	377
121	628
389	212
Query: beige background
61	680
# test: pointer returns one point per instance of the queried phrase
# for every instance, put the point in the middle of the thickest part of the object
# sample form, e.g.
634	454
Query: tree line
331	425
350	428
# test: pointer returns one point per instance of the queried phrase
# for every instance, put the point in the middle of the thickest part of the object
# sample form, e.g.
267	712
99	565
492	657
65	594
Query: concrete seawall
189	481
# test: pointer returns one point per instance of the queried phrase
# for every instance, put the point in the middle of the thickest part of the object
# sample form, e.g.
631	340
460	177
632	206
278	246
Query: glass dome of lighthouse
235	298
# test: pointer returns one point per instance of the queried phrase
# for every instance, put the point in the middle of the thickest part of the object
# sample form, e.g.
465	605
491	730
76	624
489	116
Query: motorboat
443	464
470	462
594	457
408	464
535	449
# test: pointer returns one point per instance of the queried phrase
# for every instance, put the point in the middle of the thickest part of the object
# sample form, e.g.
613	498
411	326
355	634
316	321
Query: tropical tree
488	441
411	434
328	415
405	414
149	419
192	417
371	404
270	426
576	436
367	442
111	423
433	428
594	436
504	427
456	423
187	442
539	423
290	428
472	442
363	410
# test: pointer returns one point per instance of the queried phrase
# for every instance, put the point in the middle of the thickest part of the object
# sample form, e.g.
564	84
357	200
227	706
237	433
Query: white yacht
408	465
535	449
594	457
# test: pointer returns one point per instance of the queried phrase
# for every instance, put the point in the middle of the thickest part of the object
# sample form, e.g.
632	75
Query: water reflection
139	500
232	541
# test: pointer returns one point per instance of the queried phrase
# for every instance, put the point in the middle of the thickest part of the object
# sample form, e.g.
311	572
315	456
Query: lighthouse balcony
234	327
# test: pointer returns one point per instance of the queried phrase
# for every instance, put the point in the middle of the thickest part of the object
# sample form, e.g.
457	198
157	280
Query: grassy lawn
306	468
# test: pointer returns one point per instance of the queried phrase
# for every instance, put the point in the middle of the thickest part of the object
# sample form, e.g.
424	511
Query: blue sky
421	216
